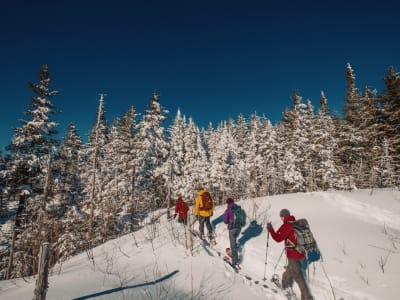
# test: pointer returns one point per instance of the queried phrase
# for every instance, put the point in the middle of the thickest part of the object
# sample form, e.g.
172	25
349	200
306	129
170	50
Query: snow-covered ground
358	234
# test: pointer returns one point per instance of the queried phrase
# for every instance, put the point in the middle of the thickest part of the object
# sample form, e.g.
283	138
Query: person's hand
174	216
269	226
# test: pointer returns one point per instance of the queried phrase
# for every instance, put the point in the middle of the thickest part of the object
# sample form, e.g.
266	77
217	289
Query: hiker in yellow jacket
203	210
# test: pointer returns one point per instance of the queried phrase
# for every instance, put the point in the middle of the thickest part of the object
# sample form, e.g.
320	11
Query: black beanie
284	213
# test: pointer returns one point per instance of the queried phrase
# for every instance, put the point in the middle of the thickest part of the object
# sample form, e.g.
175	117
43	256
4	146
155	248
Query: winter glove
269	226
174	216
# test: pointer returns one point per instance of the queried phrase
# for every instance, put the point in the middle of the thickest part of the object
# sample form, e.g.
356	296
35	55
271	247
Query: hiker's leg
209	227
201	225
287	276
233	235
300	280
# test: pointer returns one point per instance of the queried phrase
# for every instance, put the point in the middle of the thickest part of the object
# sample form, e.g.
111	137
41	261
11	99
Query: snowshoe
235	267
275	280
212	240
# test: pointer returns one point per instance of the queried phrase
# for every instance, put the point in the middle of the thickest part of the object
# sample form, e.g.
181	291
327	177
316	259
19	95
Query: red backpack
206	201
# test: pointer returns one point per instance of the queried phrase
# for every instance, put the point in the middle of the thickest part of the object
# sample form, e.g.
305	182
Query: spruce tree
152	153
29	175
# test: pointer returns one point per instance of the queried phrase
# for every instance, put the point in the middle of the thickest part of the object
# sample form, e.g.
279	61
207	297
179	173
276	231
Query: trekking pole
266	256
330	283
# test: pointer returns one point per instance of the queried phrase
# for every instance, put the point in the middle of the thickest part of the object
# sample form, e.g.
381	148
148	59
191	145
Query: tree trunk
42	279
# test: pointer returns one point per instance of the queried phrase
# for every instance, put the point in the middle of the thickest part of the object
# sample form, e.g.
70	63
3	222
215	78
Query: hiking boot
289	293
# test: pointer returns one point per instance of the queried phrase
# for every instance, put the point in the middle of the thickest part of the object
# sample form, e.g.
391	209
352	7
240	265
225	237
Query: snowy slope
358	234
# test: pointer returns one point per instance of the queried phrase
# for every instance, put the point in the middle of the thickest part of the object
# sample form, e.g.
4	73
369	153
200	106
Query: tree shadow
253	230
128	287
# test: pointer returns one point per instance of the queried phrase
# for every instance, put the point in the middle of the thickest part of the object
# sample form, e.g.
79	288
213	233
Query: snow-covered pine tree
223	160
254	156
153	150
69	189
240	134
196	167
309	164
3	186
126	148
271	159
389	104
387	165
29	175
174	179
352	101
371	145
295	141
70	185
351	142
92	173
325	145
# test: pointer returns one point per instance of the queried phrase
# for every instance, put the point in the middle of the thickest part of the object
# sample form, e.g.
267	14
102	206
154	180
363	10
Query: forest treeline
76	195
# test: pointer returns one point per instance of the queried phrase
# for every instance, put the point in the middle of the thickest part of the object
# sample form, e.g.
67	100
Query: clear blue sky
213	59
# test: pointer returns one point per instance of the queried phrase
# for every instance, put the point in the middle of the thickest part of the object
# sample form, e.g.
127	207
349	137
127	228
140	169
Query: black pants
205	220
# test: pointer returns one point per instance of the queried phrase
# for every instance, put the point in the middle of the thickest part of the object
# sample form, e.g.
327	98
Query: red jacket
285	233
181	208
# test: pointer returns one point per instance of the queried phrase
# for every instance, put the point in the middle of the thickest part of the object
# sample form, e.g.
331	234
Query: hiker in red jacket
181	210
293	271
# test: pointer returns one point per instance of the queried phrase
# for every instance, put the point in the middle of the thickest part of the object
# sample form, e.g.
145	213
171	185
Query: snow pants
293	273
233	235
202	221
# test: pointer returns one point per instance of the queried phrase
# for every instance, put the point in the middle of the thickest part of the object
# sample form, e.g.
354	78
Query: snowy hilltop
358	234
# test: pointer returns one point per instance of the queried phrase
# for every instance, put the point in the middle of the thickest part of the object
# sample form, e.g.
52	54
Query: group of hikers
294	271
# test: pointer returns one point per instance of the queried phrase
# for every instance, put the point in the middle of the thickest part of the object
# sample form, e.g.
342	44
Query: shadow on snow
107	292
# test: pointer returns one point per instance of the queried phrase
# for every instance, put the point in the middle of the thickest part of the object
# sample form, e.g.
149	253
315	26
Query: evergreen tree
324	147
295	142
70	187
29	175
174	180
93	171
152	153
126	149
389	102
352	98
3	186
196	168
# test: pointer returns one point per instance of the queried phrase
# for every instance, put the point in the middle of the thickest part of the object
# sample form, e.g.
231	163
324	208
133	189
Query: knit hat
284	213
229	201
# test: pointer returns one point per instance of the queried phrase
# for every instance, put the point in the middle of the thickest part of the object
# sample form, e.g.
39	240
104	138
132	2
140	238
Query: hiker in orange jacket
203	210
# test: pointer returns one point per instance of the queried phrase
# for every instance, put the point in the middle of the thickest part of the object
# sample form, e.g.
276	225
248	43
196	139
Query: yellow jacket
199	203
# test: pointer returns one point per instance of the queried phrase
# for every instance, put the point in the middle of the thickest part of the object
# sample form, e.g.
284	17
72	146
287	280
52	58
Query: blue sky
212	59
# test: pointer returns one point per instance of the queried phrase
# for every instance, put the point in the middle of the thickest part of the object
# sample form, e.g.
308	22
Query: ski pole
266	256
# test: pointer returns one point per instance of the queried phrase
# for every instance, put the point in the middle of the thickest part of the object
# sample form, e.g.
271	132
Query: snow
356	232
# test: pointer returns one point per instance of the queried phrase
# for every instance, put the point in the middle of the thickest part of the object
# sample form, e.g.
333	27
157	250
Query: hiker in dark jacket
234	232
293	271
181	209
